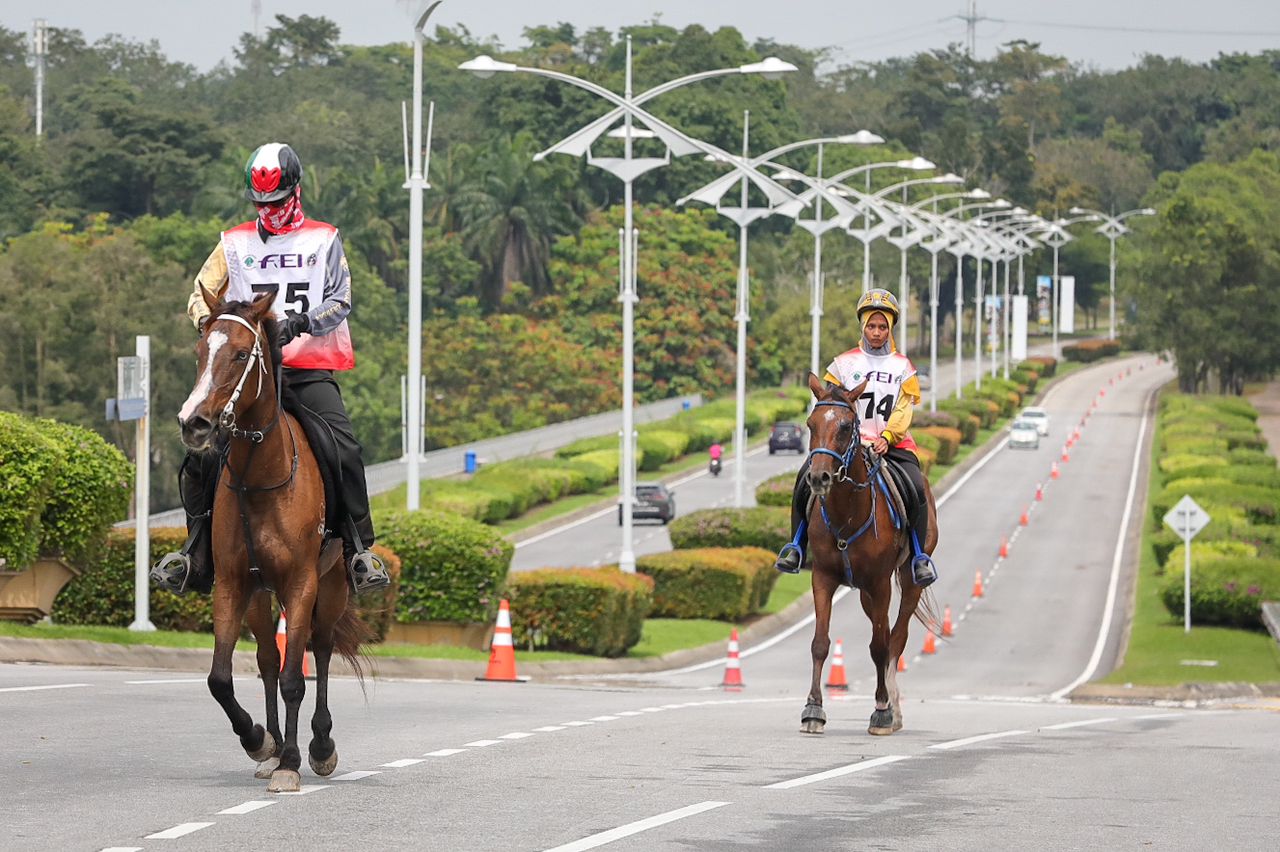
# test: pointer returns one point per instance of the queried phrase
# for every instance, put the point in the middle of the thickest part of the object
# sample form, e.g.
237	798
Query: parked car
1024	433
1038	416
653	500
786	436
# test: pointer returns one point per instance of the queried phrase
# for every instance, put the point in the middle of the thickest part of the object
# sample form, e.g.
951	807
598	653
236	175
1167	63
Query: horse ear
261	306
851	395
815	385
211	301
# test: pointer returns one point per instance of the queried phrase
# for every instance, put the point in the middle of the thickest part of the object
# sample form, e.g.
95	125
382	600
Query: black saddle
913	498
325	448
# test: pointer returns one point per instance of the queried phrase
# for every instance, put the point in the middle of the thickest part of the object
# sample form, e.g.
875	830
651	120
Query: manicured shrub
91	491
587	445
452	568
1227	591
1260	505
607	461
948	441
934	418
30	462
598	611
709	582
925	440
776	490
657	447
1091	350
762	526
1047	365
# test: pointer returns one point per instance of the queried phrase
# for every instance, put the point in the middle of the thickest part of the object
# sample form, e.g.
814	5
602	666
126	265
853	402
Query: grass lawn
115	635
1157	643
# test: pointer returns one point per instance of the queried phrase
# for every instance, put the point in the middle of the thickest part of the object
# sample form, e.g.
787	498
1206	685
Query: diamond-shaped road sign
1186	518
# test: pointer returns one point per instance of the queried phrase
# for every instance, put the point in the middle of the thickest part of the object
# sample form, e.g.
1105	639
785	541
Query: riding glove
293	325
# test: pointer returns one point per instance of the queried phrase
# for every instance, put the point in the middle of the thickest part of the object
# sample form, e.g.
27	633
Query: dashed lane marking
636	827
357	775
444	752
180	830
837	772
402	763
39	688
978	739
246	808
1082	723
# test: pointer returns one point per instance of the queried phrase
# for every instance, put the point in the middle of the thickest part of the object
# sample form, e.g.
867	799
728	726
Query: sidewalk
1267	401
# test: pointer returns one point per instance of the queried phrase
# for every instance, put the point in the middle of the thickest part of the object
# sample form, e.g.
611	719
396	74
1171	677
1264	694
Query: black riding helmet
272	173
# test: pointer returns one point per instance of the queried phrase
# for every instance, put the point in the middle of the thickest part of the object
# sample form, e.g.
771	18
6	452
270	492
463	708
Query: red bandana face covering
283	217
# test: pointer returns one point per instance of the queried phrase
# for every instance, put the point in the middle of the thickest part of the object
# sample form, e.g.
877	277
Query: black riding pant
801	494
317	390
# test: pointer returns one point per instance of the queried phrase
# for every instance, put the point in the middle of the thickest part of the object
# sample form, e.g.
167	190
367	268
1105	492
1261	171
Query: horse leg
814	718
293	688
230	600
875	603
898	638
263	627
322	753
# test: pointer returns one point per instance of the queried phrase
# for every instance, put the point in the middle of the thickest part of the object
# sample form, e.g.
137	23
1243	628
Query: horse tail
927	607
350	634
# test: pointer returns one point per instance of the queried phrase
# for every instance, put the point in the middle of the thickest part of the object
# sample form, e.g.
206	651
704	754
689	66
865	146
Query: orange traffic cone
1039	491
837	679
282	634
1053	471
930	647
977	584
946	621
1023	520
1004	547
732	668
1066	457
502	653
902	664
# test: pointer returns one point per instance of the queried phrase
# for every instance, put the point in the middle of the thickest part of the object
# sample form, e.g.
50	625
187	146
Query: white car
1038	416
1024	433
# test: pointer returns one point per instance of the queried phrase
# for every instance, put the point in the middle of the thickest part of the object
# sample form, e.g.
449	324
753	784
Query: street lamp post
1112	227
627	169
1056	236
867	234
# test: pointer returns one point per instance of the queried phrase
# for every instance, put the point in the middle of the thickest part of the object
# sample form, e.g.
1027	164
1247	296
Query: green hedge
598	611
1227	591
103	593
710	582
948	440
1260	505
776	490
1046	365
452	568
30	462
1091	350
761	526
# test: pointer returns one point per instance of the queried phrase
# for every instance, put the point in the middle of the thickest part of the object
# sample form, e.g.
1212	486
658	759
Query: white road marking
38	688
1161	716
481	743
247	807
1109	607
307	788
169	680
515	735
355	776
178	831
837	772
575	724
402	762
444	752
1065	725
629	713
980	738
604	718
546	729
122	849
636	827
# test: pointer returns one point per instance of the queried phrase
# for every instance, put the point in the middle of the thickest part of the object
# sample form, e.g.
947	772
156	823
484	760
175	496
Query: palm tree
512	210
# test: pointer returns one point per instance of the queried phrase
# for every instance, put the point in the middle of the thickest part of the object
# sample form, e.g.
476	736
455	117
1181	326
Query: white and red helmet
272	173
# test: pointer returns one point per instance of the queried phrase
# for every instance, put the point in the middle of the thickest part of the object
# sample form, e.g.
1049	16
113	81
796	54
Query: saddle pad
903	490
325	448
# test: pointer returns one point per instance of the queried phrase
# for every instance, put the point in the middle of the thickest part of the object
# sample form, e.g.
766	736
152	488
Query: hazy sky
1107	34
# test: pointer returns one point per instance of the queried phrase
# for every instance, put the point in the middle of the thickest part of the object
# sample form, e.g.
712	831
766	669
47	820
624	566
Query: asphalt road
108	759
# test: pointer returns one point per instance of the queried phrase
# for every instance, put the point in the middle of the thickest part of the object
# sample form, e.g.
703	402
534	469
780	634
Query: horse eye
242	356
844	428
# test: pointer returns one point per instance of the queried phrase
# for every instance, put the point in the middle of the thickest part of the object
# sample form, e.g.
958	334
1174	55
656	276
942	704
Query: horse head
833	433
234	361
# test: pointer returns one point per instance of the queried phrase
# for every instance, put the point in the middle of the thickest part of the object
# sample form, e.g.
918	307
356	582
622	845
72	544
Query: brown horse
853	538
268	536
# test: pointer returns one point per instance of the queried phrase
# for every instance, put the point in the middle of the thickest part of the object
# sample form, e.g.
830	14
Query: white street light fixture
627	168
1056	236
1112	228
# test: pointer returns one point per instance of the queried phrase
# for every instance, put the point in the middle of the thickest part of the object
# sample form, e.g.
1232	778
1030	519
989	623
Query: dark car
653	500
786	436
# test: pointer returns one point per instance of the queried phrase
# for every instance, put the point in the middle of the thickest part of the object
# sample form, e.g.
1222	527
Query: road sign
1187	518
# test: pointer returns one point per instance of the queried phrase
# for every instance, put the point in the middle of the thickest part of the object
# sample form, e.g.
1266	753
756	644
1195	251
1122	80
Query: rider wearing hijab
302	263
891	391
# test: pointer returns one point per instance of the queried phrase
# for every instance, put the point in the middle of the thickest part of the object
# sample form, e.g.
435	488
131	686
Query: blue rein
875	475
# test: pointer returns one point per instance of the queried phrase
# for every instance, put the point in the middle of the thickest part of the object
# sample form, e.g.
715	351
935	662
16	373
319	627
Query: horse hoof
266	767
879	732
325	767
881	723
267	750
285	781
812	726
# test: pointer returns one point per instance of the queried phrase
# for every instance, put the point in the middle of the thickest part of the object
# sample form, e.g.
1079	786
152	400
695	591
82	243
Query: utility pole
255	8
39	48
971	27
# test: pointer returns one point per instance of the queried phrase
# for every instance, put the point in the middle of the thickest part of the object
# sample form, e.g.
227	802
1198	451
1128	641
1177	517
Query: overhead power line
1152	30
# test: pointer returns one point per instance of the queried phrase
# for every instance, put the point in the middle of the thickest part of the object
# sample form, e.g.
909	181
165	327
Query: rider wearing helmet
892	389
302	263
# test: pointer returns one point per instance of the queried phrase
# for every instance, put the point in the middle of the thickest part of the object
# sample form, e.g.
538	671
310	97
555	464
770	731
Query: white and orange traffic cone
732	667
946	621
1039	491
282	639
930	646
1053	471
837	679
1004	547
977	584
502	652
1023	519
902	664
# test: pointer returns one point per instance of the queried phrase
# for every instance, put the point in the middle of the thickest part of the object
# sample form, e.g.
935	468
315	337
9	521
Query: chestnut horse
854	540
268	536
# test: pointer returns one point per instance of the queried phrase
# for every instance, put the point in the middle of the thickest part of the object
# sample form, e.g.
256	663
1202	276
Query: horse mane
270	326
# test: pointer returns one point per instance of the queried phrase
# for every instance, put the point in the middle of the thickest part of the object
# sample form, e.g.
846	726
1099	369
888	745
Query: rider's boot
365	569
791	557
923	571
191	567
